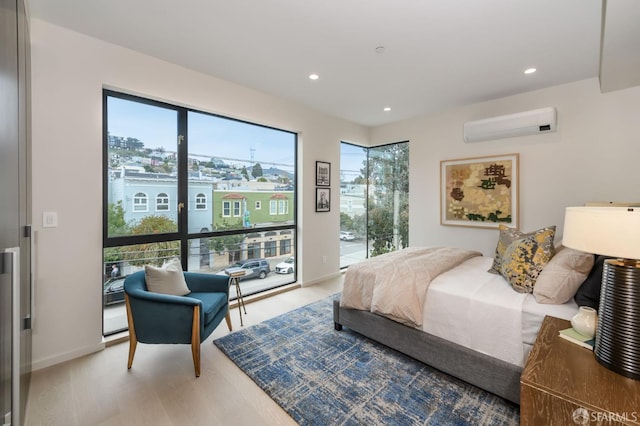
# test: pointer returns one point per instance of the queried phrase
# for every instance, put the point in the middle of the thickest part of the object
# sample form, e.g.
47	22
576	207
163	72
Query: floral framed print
323	199
323	173
479	192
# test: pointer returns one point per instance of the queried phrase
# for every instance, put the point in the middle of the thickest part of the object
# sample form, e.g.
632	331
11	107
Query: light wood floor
161	388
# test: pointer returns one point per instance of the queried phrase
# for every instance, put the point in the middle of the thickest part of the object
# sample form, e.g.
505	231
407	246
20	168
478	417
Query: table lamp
612	232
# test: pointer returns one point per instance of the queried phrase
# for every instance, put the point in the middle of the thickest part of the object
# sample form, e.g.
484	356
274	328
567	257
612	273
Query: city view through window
374	200
217	192
211	191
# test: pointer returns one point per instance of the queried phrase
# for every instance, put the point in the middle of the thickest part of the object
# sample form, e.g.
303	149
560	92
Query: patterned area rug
325	377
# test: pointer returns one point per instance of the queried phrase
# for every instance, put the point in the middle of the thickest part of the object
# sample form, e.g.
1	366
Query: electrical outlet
324	259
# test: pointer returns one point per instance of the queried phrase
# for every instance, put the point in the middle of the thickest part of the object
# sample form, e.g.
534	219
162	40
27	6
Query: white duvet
480	311
394	284
476	309
473	308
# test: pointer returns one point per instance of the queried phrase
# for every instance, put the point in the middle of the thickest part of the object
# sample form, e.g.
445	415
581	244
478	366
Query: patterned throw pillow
507	235
524	259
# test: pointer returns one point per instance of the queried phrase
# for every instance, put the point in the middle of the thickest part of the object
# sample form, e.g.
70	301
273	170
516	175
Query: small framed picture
323	173
323	199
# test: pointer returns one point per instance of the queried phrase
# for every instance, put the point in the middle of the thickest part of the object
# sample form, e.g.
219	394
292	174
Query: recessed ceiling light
380	49
387	108
313	76
529	70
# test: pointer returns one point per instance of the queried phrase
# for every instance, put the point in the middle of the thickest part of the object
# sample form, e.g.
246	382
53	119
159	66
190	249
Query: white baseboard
67	356
318	280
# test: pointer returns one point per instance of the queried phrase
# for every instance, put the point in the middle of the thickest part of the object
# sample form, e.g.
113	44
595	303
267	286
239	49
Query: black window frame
182	234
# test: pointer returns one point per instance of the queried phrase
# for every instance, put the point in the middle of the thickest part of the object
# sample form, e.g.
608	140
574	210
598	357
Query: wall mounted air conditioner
532	122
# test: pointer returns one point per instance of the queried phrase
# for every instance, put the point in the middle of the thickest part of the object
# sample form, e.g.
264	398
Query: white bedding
480	311
373	283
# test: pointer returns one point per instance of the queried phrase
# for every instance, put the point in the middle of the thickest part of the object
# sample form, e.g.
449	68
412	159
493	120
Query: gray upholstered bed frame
483	371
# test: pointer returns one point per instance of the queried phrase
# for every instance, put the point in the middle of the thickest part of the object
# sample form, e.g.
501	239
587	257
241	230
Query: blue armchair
161	318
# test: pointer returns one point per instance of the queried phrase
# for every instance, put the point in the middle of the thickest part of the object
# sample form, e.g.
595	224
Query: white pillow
168	279
562	276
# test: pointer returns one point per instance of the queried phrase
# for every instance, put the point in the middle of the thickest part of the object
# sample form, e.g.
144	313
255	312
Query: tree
116	225
152	253
346	223
387	169
257	170
359	225
133	144
245	173
381	230
229	243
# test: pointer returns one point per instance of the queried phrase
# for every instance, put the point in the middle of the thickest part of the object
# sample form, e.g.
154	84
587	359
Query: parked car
286	267
255	268
346	236
113	291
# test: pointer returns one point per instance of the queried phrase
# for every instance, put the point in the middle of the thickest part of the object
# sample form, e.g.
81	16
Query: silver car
346	236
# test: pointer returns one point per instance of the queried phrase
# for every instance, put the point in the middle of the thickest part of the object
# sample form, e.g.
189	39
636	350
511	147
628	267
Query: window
179	160
285	246
140	203
201	201
162	202
273	207
269	248
283	206
374	200
253	250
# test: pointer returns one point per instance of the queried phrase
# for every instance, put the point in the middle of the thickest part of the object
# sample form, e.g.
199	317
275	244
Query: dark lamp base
618	333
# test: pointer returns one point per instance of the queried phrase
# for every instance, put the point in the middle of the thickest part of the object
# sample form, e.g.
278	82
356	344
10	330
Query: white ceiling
437	53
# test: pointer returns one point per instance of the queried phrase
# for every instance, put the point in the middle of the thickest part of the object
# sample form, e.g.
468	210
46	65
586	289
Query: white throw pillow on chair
167	279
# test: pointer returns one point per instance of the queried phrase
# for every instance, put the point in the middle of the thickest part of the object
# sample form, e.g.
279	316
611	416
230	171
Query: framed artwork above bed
480	192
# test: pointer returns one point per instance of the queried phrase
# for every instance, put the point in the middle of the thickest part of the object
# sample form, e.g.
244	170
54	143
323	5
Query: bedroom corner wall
69	71
593	156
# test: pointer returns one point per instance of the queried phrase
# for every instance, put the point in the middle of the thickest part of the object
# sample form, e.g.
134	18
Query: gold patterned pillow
524	259
507	235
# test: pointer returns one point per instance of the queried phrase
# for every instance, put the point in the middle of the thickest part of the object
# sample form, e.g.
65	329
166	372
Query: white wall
593	156
69	71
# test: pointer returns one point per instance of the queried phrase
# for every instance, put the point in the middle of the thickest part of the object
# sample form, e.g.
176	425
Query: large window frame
375	172
182	235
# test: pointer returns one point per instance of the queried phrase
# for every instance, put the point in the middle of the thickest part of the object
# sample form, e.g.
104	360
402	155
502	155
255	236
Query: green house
252	208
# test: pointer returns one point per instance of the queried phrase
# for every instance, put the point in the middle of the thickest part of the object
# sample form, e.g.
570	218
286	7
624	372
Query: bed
472	324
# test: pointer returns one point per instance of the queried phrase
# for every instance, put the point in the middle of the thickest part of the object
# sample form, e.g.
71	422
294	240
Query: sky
213	136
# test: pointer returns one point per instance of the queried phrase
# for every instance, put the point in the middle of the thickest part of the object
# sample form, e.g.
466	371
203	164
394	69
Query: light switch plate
49	219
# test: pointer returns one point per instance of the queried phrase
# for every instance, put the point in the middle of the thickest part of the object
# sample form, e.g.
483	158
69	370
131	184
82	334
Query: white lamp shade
609	231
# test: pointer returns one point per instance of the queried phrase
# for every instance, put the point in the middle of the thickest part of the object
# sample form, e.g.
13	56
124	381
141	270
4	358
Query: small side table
563	384
234	280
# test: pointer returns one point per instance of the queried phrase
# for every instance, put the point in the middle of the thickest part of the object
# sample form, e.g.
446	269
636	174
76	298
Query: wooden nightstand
561	377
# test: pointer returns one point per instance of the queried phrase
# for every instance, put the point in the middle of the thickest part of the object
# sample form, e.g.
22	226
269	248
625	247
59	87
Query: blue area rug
325	377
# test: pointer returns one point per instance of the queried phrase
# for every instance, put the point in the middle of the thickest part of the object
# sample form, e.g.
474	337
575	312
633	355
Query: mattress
480	311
